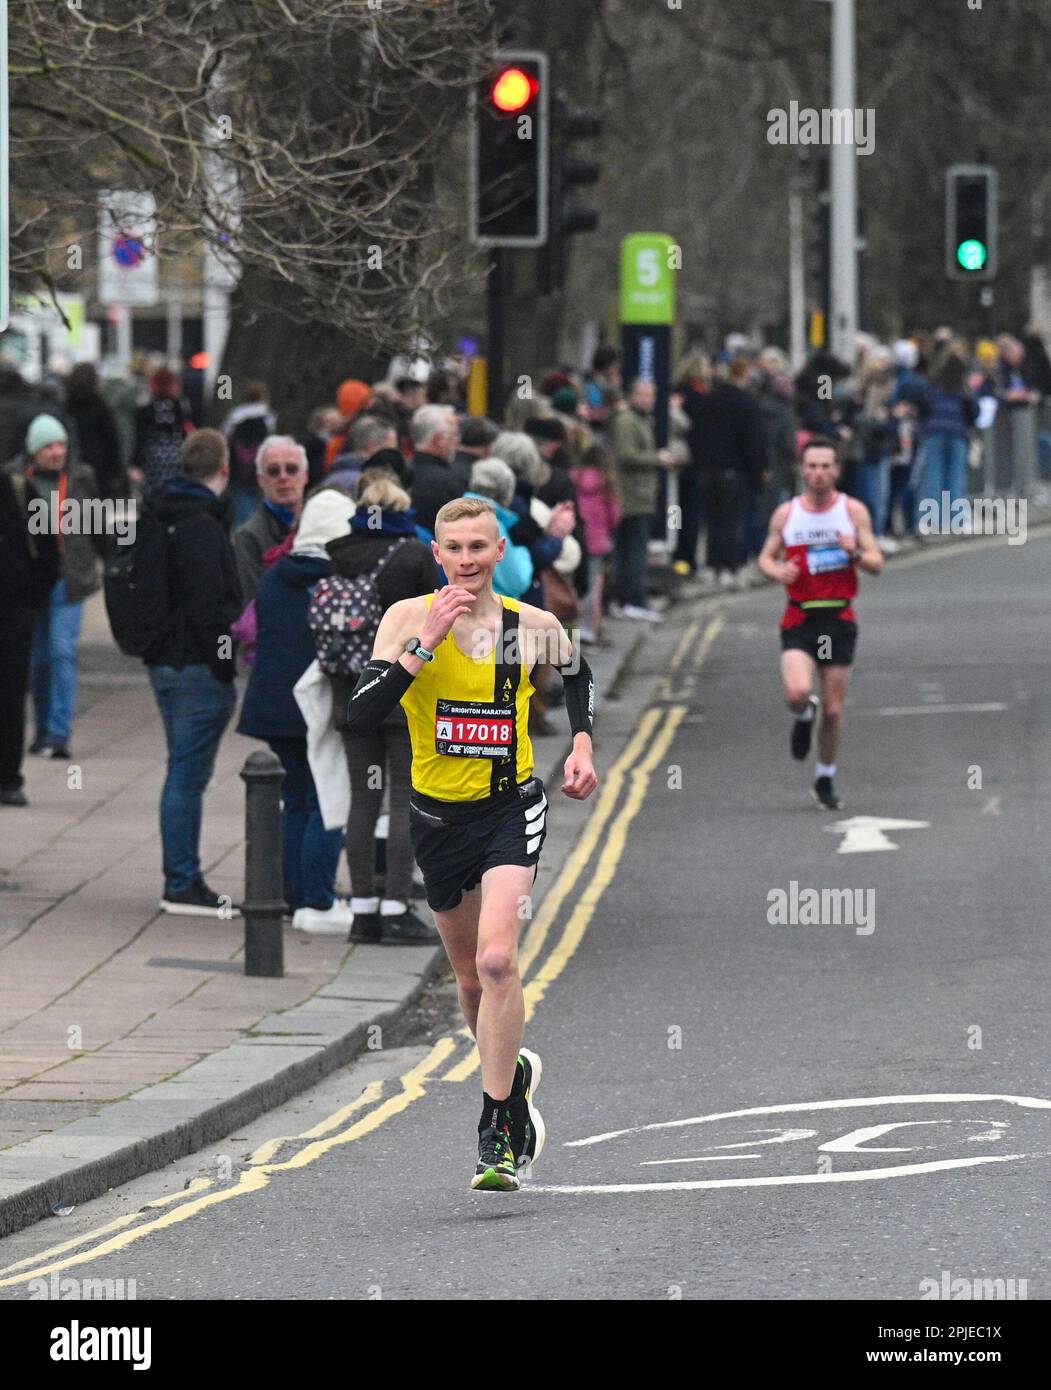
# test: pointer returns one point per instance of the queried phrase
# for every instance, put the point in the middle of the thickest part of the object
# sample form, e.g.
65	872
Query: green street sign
648	265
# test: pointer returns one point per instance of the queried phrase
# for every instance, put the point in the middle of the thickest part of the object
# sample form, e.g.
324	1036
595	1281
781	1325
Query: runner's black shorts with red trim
826	638
455	842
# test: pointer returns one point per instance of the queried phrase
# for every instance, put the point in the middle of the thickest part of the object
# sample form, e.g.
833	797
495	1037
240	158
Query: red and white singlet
827	580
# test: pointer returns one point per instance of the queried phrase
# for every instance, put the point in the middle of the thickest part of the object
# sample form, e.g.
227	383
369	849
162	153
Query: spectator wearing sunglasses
281	465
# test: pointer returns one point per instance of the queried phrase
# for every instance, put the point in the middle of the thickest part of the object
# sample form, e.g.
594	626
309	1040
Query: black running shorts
838	648
455	842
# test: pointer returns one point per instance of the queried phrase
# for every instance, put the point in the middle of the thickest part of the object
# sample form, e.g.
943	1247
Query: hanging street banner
128	248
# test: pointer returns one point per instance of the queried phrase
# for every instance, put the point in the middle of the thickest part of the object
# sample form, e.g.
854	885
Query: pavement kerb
283	1055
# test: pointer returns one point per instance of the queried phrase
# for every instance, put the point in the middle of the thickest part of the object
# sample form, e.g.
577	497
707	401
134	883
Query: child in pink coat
599	508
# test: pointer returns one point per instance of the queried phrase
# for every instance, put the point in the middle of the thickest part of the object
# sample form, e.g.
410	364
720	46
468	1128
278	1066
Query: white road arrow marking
864	834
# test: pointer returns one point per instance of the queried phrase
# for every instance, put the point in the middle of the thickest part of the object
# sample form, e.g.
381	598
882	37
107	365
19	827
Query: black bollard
264	901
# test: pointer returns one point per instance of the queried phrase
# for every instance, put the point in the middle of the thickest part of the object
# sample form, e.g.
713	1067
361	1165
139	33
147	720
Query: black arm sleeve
380	686
580	695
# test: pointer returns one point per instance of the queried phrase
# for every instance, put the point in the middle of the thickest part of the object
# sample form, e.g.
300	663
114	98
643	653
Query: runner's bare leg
458	930
501	1017
834	682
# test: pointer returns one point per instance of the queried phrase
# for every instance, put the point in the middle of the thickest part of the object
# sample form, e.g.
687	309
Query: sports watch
414	648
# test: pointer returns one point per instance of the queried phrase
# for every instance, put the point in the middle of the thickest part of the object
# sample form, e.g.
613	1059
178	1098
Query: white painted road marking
992	707
906	1170
799	1107
864	834
847	1144
992	807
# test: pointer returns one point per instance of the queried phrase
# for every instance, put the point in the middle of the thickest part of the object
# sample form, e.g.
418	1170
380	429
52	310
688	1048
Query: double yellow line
635	767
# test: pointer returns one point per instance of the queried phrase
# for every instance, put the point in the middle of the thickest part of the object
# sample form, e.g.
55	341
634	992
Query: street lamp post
844	186
843	180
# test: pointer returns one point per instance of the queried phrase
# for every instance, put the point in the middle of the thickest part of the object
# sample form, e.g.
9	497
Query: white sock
364	905
825	770
391	907
806	714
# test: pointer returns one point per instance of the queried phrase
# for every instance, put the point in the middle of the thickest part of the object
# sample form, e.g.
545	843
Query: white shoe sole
191	910
535	1117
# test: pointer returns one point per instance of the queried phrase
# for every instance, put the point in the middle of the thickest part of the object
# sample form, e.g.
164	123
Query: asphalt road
853	1063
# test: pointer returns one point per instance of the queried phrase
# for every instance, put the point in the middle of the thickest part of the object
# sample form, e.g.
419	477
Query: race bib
465	729
823	558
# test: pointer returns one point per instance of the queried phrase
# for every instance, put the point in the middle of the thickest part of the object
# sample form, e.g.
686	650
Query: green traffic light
972	255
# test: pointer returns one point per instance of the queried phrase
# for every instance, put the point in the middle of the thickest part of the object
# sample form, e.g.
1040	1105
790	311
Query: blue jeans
53	667
873	488
310	853
943	467
631	568
195	708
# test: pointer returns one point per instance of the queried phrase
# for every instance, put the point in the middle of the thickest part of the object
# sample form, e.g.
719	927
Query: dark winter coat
202	580
284	647
98	441
726	432
28	562
410	572
434	483
79	555
19	402
251	542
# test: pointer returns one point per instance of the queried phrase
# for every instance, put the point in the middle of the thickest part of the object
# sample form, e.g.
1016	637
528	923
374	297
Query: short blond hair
461	508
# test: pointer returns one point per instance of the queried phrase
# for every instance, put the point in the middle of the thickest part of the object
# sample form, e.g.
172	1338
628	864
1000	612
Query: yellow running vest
469	719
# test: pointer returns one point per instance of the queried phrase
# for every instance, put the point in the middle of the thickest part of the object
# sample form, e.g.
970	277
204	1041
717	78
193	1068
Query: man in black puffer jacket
191	664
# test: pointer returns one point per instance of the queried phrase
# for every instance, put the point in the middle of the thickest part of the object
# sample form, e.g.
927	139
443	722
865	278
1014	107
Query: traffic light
569	172
971	222
508	160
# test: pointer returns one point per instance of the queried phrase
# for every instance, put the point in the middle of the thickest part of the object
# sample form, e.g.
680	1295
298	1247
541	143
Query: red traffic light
513	90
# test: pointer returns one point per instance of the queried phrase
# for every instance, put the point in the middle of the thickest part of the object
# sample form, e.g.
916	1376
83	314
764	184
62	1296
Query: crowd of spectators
584	495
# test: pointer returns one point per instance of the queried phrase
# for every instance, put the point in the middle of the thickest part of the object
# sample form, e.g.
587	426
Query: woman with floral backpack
382	543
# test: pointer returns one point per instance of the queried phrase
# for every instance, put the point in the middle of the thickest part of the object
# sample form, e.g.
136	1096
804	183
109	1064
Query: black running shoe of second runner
803	731
496	1170
825	795
528	1131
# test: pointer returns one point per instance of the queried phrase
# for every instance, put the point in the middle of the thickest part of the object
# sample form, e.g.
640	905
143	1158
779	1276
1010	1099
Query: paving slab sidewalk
128	1037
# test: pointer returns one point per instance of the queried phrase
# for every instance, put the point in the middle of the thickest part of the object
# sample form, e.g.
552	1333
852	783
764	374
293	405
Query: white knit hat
325	517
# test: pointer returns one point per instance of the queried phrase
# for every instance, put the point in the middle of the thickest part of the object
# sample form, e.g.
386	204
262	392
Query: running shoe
825	795
495	1170
528	1131
406	929
803	731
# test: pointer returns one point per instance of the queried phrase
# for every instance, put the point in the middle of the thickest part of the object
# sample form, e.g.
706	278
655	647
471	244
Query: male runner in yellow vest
460	661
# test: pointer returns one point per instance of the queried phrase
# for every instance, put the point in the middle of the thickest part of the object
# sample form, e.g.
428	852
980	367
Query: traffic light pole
496	345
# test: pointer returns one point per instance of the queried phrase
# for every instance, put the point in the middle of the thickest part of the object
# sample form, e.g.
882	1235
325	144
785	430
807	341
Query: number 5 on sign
647	278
